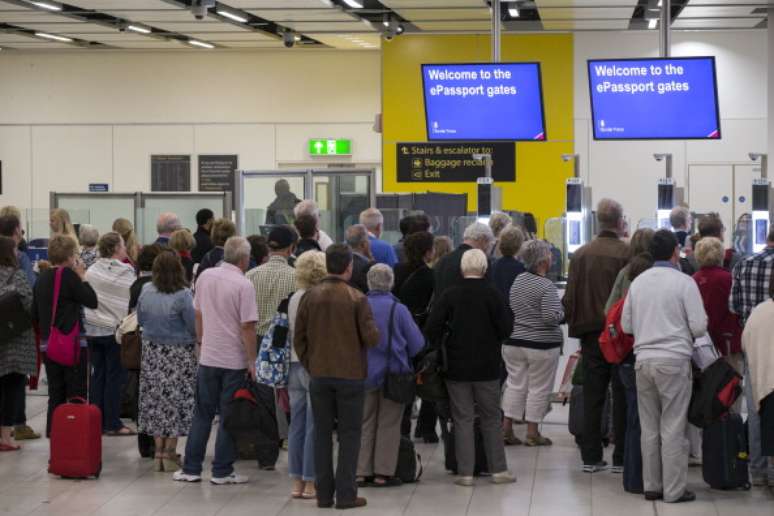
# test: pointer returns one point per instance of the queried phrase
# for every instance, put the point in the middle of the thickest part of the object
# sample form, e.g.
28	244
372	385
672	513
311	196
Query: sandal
365	481
121	432
170	459
538	441
9	447
387	482
510	439
310	493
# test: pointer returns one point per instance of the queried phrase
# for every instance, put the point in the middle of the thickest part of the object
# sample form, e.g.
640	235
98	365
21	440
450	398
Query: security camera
122	27
389	35
568	157
661	157
288	39
755	156
199	8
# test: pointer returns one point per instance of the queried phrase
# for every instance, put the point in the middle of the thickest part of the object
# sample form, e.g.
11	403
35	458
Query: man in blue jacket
382	251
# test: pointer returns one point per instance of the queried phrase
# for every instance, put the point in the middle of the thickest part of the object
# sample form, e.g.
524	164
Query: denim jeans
108	377
758	463
632	474
342	401
301	432
215	388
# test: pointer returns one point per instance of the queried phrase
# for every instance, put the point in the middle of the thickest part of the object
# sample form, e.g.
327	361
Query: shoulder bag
273	362
398	387
128	335
63	348
14	319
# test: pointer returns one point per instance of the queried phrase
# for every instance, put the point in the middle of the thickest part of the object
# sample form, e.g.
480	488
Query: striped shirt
273	281
537	312
111	280
750	287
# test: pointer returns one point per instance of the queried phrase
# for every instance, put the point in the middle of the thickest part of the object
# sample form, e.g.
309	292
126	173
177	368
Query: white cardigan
758	344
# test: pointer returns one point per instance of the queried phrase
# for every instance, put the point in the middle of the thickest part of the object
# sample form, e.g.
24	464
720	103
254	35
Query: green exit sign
330	147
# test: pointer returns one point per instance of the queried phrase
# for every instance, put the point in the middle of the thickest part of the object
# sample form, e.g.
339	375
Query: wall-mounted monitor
654	99
501	101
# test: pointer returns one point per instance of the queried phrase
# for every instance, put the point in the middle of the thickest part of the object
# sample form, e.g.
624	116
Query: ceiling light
355	4
202	44
513	12
232	16
400	29
47	5
137	28
54	37
652	23
297	38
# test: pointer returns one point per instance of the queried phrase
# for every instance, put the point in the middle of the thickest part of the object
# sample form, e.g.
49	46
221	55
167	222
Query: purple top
407	339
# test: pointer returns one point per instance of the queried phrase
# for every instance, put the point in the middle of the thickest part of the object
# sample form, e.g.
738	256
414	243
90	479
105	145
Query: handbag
420	316
129	336
63	348
431	370
398	387
14	319
272	366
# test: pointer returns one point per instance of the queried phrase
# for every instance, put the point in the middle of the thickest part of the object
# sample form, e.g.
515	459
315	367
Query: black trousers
426	422
11	394
65	383
598	375
342	401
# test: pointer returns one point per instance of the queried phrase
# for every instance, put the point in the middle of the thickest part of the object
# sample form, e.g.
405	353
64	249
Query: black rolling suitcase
450	453
725	454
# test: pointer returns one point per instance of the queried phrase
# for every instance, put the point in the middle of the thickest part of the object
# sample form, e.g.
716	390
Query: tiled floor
549	484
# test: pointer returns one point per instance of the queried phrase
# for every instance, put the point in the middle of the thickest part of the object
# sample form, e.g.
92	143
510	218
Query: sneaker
357	502
464	481
617	469
25	433
504	477
182	476
231	479
593	468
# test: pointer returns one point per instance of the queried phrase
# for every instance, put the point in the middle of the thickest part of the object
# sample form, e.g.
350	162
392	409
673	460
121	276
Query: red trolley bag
76	440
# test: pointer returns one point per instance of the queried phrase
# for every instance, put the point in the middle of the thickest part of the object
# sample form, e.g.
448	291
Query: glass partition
553	233
183	205
97	209
648	223
340	197
36	224
269	198
742	239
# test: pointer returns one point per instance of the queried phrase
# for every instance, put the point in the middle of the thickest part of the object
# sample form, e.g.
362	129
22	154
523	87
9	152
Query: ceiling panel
10	38
716	23
30	16
454	25
712	11
152	43
728	2
329	26
192	27
149	16
444	14
67	26
278	4
253	44
562	13
103	37
233	36
349	41
418	4
586	3
106	5
586	24
280	15
43	45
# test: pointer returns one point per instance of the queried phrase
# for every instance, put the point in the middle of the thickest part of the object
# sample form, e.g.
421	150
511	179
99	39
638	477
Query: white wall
627	171
70	119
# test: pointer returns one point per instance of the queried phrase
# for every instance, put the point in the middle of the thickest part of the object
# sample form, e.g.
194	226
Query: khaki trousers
380	435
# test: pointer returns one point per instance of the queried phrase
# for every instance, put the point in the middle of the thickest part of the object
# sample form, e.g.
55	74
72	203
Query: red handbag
63	348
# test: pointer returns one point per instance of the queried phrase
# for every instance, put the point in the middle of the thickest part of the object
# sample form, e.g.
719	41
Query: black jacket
504	271
74	294
203	245
136	289
447	270
478	322
211	259
360	268
414	287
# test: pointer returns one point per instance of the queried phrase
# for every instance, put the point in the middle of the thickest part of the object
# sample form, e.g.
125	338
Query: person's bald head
168	223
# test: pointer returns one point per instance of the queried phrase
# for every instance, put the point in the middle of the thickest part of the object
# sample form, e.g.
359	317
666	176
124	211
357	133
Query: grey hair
371	218
380	278
479	232
168	223
356	236
306	207
499	221
533	253
609	214
235	250
474	263
88	235
678	217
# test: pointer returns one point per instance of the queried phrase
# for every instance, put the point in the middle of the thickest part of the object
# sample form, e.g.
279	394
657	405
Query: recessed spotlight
513	12
652	23
54	37
400	29
202	44
139	29
355	4
231	16
46	5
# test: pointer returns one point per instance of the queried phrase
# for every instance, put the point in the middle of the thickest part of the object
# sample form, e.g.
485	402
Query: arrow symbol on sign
318	147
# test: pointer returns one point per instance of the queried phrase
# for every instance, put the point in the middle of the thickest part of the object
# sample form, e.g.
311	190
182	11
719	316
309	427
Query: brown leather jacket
333	330
593	270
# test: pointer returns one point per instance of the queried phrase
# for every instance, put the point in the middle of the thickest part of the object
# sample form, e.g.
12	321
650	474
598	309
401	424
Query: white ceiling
339	27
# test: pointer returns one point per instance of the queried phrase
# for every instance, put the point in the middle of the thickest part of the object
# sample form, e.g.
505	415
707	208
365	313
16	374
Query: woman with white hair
470	320
399	341
88	236
531	354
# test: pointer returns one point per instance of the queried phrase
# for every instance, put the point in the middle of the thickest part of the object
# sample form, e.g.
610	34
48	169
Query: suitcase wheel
99	470
747	486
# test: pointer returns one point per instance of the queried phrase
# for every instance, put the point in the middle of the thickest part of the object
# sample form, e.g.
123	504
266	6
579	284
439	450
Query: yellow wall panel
540	172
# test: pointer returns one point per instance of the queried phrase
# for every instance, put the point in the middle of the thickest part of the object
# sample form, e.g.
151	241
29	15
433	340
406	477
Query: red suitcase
76	440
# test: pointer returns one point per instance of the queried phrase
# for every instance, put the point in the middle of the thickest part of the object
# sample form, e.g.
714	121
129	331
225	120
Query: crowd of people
361	316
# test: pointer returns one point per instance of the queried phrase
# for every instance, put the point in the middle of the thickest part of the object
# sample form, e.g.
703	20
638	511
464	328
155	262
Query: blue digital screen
654	99
502	101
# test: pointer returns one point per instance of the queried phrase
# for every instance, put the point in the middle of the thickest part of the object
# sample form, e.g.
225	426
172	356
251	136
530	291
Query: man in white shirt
665	313
309	207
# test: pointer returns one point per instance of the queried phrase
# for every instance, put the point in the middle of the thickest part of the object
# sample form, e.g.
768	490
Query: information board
216	172
485	101
171	173
453	162
654	99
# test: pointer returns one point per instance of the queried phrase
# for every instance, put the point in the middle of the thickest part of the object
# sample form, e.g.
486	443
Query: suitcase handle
77	399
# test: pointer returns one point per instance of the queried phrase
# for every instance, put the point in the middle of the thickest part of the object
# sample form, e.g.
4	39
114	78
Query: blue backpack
272	365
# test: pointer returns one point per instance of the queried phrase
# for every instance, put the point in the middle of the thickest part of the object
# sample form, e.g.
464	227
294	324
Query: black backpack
409	468
714	392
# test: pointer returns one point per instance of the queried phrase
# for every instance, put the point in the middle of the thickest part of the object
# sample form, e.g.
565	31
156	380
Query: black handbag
14	319
430	377
398	387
